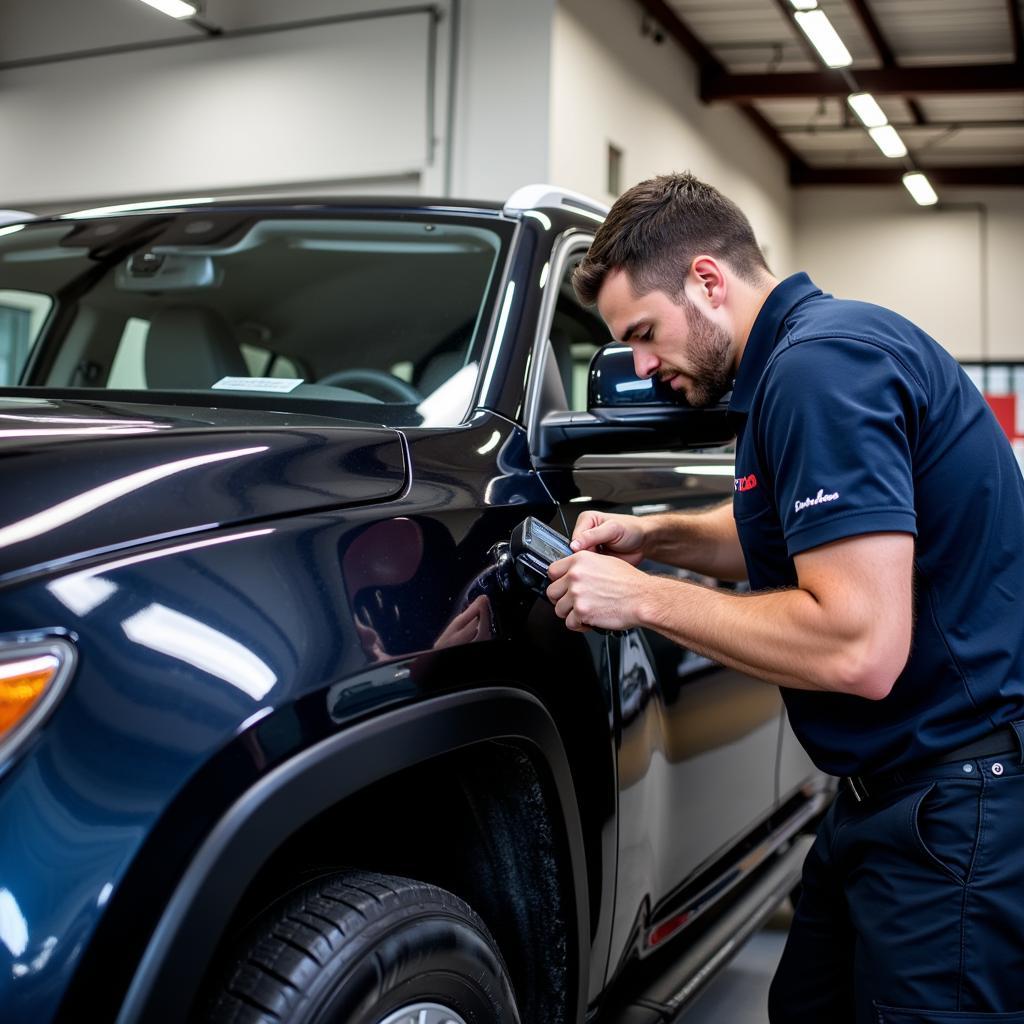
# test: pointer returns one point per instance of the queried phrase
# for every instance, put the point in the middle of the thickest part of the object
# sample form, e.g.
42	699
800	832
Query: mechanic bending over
879	516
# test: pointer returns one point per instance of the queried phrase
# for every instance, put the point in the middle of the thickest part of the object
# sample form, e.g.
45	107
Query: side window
22	315
577	332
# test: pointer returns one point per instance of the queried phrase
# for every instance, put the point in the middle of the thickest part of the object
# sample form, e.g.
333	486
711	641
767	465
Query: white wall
954	269
220	115
329	109
501	105
612	85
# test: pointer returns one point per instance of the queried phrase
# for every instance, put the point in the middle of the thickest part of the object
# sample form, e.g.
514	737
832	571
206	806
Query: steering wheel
375	383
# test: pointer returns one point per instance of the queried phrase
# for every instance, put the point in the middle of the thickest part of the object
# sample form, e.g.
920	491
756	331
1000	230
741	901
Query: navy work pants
912	905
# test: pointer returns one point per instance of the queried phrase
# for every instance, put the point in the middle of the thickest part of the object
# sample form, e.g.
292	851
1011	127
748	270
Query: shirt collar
764	336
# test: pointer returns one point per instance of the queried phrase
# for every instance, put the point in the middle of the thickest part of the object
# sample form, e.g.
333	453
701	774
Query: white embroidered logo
819	499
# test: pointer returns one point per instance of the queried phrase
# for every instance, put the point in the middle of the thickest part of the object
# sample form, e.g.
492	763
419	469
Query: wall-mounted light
173	8
824	38
920	188
888	140
866	107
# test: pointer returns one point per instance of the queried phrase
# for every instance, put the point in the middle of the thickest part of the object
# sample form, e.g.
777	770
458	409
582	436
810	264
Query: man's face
672	340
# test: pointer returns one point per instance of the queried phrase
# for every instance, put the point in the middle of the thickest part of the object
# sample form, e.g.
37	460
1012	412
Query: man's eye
649	335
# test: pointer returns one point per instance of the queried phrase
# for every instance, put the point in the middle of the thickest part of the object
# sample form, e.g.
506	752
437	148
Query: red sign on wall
1009	410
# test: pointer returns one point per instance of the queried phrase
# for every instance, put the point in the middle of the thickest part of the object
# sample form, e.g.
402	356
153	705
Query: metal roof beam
680	32
1016	32
881	44
982	176
941	123
981	78
709	65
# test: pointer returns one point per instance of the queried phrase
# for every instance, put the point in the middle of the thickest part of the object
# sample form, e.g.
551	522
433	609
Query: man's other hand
610	533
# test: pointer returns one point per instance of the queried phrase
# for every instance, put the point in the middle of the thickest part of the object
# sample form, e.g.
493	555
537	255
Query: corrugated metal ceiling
968	130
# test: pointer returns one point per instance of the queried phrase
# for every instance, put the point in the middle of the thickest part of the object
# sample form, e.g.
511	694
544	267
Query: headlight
33	675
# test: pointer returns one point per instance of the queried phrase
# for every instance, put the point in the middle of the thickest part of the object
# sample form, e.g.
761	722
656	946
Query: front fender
175	959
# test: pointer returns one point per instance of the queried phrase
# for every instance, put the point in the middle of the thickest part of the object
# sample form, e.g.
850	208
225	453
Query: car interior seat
191	347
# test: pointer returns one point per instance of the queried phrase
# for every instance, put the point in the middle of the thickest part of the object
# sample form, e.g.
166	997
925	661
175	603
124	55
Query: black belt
1002	741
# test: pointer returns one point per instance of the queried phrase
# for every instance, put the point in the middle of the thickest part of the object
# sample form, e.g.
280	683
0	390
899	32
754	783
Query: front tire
364	948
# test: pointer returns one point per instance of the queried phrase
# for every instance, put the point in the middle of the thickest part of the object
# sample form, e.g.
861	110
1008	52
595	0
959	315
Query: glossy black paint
255	585
184	470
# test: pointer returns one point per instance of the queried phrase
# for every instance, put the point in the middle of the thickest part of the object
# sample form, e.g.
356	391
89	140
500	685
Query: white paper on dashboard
280	384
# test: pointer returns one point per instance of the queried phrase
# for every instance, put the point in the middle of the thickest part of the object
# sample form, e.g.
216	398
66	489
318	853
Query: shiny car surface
261	461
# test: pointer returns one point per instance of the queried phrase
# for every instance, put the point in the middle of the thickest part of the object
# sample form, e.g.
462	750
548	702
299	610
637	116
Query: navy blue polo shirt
850	421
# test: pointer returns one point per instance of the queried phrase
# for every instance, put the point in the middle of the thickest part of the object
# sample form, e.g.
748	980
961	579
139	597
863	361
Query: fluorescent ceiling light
175	8
920	188
824	38
866	107
11	229
804	5
888	140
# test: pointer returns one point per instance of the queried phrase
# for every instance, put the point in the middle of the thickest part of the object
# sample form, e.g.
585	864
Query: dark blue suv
281	736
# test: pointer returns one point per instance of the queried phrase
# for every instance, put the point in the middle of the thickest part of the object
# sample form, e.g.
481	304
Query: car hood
80	477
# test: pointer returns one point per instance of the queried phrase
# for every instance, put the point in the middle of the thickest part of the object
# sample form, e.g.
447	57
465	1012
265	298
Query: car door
696	742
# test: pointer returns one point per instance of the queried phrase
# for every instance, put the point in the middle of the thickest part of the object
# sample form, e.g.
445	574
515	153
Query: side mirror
630	414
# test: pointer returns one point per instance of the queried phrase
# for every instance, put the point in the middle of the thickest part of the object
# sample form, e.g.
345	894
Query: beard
710	356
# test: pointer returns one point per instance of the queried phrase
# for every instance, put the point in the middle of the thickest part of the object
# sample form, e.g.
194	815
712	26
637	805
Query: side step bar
664	998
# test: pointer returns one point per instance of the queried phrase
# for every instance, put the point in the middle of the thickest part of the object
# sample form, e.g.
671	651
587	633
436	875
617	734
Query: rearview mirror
627	413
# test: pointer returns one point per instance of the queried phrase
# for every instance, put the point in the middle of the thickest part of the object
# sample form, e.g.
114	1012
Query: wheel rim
423	1013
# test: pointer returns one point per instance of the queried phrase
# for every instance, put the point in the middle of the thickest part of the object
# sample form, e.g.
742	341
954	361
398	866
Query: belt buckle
856	786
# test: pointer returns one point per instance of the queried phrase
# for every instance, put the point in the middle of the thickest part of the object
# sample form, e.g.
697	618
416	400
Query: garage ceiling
949	75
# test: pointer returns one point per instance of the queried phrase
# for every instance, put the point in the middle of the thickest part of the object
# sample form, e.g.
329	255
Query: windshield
378	319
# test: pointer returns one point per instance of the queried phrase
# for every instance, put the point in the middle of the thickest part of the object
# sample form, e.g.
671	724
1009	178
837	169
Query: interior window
22	315
577	332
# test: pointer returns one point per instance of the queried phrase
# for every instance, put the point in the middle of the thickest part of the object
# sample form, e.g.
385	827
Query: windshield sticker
279	384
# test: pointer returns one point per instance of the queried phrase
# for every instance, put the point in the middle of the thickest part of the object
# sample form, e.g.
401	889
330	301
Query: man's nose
645	364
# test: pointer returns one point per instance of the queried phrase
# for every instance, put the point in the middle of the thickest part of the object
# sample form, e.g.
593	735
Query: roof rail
530	197
15	216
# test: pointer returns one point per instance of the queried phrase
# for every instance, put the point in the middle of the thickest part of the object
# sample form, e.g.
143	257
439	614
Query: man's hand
473	623
614	534
589	589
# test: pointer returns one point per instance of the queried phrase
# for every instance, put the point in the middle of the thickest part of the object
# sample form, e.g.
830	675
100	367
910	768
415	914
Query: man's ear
707	273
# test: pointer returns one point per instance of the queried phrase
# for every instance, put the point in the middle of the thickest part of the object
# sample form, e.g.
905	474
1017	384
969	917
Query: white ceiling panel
802	113
946	31
995	107
747	36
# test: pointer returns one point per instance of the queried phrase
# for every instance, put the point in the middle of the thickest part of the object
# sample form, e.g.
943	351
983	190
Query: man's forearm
705	542
785	637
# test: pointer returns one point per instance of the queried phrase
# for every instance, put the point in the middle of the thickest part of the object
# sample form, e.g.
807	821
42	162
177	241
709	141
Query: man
879	516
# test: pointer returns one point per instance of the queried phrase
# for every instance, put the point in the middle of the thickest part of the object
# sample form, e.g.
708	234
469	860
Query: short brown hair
656	229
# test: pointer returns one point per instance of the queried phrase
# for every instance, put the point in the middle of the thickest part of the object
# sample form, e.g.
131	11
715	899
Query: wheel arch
174	962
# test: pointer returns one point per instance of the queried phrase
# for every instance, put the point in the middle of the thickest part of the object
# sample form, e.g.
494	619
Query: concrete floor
739	994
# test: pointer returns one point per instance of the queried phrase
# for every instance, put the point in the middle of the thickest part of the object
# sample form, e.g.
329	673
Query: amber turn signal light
32	677
22	683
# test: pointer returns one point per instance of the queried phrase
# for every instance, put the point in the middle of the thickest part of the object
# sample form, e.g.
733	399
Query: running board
664	998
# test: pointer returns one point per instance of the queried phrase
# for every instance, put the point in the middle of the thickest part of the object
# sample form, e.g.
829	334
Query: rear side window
22	315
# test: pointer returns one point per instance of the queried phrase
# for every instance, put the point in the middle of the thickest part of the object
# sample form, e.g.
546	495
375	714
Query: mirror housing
627	413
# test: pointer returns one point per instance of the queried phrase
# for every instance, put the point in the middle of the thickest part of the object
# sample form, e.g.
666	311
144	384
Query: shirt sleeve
837	428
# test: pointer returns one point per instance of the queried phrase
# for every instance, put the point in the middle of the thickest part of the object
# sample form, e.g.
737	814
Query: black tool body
534	547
